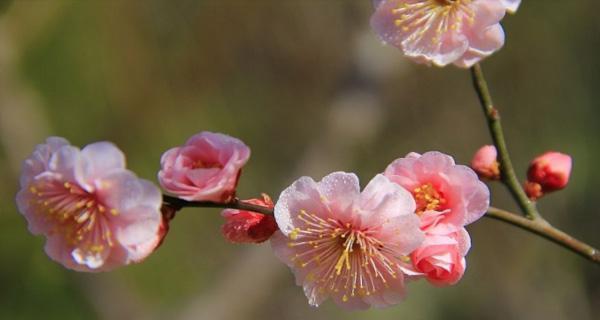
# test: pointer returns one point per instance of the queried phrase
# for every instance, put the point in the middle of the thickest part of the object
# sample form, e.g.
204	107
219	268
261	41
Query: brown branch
542	228
492	115
236	203
537	226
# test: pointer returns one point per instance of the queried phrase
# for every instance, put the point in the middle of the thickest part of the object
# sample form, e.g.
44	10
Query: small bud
533	190
168	213
550	172
485	163
249	227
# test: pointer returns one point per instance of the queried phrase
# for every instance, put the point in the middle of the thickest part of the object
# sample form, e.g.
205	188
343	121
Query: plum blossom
96	215
441	32
344	244
441	258
205	168
548	172
448	196
249	227
485	163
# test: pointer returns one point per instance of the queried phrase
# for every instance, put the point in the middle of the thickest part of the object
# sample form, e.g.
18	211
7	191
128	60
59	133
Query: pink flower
485	164
448	196
441	32
440	259
206	168
551	171
95	214
249	227
344	244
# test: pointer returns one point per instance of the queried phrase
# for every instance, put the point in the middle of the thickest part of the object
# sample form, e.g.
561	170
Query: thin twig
509	178
236	203
546	230
538	226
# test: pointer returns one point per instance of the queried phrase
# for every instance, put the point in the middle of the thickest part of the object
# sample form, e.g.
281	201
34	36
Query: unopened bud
485	163
168	213
249	227
551	171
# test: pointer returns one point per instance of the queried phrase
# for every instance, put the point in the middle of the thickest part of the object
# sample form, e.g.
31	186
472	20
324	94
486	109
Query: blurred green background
309	87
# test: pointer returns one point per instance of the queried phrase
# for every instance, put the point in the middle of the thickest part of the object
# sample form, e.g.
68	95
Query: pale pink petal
403	233
475	193
137	226
285	253
38	161
98	159
303	194
58	251
464	241
338	191
382	199
63	162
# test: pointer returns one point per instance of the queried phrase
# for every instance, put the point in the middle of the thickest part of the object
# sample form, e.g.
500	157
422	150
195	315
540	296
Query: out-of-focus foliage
311	90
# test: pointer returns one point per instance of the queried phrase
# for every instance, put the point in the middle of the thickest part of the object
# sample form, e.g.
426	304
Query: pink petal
303	194
338	191
98	159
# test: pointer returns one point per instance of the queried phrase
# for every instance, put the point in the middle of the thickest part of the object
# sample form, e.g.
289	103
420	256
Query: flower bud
249	227
168	213
485	163
533	190
550	171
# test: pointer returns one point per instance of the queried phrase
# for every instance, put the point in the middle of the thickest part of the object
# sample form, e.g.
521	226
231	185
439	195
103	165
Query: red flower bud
550	171
249	227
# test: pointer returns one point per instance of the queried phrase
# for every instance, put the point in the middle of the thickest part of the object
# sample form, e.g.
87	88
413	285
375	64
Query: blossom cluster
357	248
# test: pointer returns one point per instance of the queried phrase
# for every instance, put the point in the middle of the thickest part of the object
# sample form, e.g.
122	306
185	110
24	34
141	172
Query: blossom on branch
243	226
448	197
441	32
485	163
206	168
95	214
548	172
345	244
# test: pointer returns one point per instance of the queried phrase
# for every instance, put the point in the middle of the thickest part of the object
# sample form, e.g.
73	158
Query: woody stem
235	203
492	115
539	227
544	229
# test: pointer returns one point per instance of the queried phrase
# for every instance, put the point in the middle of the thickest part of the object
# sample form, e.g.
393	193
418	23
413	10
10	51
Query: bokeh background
310	88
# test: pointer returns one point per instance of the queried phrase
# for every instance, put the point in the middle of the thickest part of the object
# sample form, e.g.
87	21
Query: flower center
75	213
432	18
428	198
342	257
446	2
199	164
